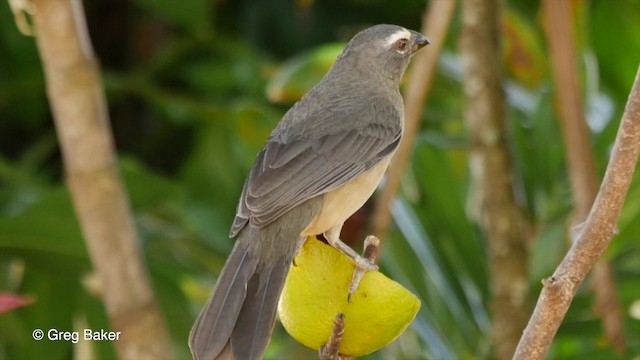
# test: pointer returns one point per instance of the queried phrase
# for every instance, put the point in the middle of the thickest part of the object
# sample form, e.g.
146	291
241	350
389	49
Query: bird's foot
364	263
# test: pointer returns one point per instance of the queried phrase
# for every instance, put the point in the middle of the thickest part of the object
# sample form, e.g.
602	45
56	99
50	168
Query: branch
492	194
559	290
77	99
558	21
330	351
435	24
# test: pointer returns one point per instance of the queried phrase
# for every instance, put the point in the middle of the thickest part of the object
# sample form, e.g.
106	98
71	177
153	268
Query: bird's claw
364	263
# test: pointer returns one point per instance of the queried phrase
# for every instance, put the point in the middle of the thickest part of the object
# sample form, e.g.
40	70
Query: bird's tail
238	319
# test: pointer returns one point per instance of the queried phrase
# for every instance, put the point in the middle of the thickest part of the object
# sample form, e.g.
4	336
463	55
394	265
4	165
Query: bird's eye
401	44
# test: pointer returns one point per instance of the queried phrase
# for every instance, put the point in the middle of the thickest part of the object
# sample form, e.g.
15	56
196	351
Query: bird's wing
300	163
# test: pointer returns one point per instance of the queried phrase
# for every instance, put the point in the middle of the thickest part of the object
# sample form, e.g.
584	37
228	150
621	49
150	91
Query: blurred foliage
186	83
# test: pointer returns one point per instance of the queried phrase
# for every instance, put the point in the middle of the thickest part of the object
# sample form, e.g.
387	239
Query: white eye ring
391	40
401	45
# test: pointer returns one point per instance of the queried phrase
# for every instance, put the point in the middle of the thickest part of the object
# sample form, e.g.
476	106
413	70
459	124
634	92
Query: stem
75	91
559	290
559	24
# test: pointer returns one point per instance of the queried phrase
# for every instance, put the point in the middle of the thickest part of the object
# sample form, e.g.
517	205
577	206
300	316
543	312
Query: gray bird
321	164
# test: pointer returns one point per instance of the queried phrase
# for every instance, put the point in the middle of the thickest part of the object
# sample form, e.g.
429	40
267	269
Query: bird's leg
370	253
363	264
333	238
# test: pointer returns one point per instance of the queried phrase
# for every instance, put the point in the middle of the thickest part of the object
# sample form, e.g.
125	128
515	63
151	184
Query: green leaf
299	74
145	188
617	46
49	226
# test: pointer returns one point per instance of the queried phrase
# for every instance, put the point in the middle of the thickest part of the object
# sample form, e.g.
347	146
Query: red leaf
9	302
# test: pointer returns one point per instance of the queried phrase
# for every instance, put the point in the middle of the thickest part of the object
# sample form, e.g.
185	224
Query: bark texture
492	195
593	239
77	99
559	28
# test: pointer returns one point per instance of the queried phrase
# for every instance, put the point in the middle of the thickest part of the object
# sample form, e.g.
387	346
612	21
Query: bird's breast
341	203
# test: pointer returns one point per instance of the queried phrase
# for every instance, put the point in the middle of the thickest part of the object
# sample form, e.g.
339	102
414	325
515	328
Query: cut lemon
316	290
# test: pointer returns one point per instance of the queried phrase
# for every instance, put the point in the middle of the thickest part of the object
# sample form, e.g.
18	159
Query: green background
186	83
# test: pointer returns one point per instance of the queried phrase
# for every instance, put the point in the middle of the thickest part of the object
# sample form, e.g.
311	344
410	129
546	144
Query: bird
320	164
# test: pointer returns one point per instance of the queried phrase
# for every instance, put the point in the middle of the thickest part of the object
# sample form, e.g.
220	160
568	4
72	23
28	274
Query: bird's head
382	50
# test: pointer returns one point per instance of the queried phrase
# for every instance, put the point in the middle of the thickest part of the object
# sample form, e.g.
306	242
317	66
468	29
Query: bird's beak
419	41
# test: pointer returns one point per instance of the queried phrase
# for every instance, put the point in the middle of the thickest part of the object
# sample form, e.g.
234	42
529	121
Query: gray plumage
343	127
242	308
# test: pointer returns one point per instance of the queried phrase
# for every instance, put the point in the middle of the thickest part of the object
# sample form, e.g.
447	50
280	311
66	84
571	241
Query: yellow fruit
316	290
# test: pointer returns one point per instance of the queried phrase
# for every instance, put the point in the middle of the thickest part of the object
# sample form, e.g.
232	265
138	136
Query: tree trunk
493	200
77	99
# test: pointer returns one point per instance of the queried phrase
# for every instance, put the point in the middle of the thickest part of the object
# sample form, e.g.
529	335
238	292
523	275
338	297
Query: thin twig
79	107
330	351
435	25
559	23
593	239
